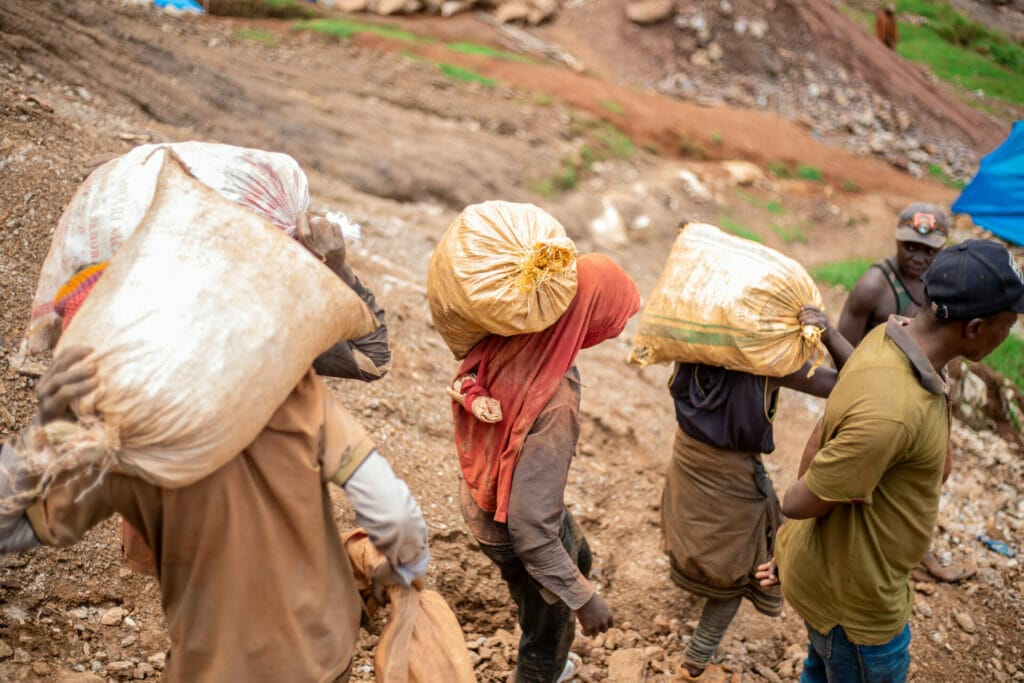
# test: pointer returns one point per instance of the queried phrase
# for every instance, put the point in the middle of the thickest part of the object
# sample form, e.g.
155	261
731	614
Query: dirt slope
401	149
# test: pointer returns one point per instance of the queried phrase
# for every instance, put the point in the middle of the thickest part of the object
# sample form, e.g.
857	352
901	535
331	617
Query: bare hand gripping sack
730	302
501	268
199	333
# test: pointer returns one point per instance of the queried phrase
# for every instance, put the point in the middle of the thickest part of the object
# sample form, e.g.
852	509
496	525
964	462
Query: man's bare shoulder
872	283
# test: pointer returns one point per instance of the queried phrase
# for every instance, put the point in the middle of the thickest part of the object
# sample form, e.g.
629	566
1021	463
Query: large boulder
512	12
650	11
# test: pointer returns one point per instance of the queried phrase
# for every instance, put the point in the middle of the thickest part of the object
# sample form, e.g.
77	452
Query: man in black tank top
893	285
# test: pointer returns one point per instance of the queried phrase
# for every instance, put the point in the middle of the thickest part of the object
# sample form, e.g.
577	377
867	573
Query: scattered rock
612	638
5	650
40	668
122	670
609	229
144	670
113	616
511	12
80	677
650	11
743	172
758	28
353	5
700	58
693	186
964	621
627	666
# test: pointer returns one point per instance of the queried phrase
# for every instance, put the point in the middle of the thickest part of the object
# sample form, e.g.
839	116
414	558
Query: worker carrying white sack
181	396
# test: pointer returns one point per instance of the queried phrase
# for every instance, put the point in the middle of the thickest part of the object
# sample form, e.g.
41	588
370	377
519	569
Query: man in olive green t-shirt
865	509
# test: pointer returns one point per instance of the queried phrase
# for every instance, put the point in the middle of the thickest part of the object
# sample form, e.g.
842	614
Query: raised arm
860	312
838	346
367	358
60	518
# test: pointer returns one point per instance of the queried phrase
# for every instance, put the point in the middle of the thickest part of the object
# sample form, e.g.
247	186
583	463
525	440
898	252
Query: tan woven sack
422	641
501	268
726	301
199	334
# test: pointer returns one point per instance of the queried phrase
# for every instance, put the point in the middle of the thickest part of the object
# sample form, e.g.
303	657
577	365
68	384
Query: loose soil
401	148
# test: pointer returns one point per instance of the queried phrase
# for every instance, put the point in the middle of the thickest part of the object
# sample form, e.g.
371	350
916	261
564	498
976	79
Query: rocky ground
401	149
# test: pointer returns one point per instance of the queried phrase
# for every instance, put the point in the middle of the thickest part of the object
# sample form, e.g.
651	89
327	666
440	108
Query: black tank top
724	408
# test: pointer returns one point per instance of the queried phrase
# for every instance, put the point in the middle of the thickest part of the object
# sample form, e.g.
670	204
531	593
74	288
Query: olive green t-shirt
884	445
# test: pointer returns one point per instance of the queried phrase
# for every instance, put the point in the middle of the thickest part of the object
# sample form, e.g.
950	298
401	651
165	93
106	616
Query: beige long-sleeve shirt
255	582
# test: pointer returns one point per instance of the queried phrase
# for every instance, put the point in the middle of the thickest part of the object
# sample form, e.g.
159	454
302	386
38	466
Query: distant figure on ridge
885	26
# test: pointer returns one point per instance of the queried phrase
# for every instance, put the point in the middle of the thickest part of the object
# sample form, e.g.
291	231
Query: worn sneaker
572	667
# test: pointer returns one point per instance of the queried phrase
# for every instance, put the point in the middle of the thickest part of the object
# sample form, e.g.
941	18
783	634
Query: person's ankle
694	670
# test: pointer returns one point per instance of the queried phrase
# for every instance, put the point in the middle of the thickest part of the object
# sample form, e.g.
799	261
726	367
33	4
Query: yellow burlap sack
501	268
199	334
422	642
730	302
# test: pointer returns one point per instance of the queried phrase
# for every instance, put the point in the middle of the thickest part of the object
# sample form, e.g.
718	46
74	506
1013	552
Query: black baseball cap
974	279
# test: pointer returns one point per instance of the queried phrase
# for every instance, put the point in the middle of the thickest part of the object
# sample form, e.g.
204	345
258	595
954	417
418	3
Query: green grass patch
652	147
1008	360
717	139
957	49
604	141
615	141
847	185
779	169
270	9
956	29
487	51
613	106
738	229
542	100
690	149
789	235
937	172
772	206
346	28
257	35
808	173
842	273
465	75
964	66
566	179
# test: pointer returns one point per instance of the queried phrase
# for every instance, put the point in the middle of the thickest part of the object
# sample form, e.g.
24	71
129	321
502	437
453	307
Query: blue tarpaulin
182	5
994	199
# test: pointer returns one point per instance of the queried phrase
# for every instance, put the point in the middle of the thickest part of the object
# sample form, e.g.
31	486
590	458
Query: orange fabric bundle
72	293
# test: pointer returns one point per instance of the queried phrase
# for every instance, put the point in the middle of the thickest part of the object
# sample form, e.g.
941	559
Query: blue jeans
833	658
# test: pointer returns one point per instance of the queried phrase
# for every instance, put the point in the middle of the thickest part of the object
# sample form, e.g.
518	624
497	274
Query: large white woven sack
501	268
202	324
109	205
